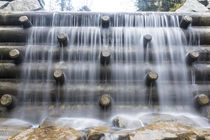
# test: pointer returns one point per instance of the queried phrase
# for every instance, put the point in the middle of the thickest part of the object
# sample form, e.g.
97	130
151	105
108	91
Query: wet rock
204	2
98	133
192	6
123	122
22	5
156	117
3	4
167	131
49	133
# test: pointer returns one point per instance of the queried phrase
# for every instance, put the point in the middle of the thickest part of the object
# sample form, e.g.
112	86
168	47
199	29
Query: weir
99	65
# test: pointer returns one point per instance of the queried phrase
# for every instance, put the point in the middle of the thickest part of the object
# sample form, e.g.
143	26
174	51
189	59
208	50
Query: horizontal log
90	19
86	53
84	71
87	93
87	35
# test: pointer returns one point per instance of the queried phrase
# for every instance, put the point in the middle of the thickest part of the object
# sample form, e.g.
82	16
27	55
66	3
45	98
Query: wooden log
105	21
62	39
147	40
26	23
105	57
201	100
19	35
7	101
151	78
77	19
59	76
105	101
192	57
185	22
135	73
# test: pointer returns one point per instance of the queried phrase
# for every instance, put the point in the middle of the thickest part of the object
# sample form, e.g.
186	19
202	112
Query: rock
3	4
204	2
156	117
166	131
98	133
22	5
10	127
123	122
192	6
49	133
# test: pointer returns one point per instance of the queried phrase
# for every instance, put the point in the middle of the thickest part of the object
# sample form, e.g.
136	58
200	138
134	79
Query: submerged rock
192	6
22	5
48	133
123	122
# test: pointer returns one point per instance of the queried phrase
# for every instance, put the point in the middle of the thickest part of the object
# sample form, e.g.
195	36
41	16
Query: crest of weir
103	61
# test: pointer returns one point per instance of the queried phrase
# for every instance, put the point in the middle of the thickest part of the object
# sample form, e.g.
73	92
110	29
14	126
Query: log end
192	57
150	78
185	22
7	101
59	76
147	39
25	22
105	21
14	54
105	101
105	57
201	100
62	39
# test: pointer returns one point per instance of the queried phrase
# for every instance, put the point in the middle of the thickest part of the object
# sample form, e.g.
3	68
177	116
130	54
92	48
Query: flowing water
124	76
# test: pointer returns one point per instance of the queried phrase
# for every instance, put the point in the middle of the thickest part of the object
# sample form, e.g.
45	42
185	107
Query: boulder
97	133
49	133
22	5
192	6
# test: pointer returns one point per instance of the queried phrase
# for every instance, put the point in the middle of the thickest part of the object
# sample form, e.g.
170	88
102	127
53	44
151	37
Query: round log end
147	39
59	76
185	22
14	54
62	39
202	99
151	78
192	57
6	100
105	20
105	57
25	21
105	101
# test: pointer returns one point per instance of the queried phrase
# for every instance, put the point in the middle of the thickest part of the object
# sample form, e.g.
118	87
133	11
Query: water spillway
98	65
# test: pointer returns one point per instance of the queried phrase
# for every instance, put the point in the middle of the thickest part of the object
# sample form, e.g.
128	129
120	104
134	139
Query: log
105	57
7	101
201	100
15	55
185	22
105	21
80	19
151	78
25	22
83	35
87	92
86	53
147	39
192	57
105	101
59	76
116	72
62	39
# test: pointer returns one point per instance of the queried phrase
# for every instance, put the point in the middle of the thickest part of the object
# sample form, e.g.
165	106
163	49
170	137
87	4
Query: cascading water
125	75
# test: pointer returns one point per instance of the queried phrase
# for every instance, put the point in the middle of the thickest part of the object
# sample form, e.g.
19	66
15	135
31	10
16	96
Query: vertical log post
105	57
147	39
25	22
105	21
151	78
185	22
62	39
192	57
105	101
15	55
7	101
59	77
